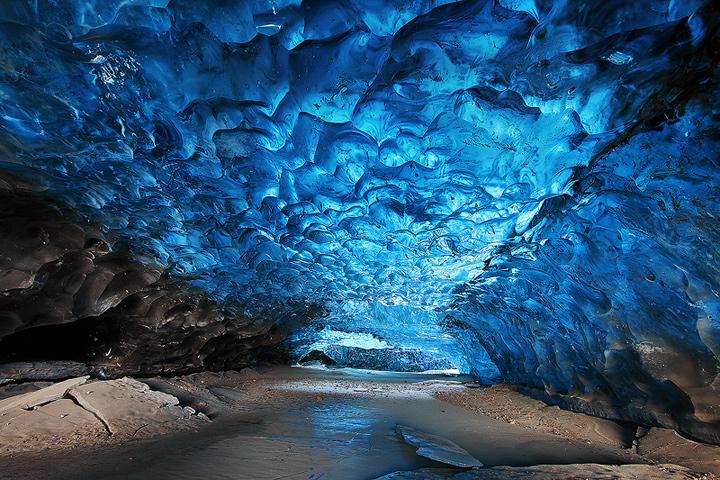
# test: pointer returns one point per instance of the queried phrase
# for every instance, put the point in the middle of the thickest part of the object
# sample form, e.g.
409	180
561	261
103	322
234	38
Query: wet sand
300	424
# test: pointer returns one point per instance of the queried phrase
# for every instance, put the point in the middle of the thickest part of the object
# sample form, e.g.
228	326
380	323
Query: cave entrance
390	338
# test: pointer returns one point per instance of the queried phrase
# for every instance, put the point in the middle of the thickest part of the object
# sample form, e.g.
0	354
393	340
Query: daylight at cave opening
492	209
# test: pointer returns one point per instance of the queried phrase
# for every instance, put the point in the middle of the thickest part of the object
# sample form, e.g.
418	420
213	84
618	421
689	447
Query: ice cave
359	239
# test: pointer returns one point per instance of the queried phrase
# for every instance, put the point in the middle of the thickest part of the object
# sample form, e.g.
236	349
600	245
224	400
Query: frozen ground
293	423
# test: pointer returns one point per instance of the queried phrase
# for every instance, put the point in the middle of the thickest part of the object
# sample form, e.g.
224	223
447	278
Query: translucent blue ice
380	337
533	178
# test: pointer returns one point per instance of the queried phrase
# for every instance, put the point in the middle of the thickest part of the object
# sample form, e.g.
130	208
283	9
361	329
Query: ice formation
531	183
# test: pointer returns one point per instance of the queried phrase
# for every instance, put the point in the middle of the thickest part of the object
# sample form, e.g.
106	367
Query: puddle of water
347	437
329	432
321	440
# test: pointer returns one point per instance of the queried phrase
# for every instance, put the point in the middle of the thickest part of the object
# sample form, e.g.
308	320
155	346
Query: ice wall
540	175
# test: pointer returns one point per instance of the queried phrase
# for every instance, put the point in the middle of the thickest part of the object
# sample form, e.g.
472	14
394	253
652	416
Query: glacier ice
395	338
527	185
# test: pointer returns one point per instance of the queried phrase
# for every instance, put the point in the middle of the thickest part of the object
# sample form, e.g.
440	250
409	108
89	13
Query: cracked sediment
295	422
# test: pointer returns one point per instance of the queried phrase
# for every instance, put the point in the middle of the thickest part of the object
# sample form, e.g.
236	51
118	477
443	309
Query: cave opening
397	338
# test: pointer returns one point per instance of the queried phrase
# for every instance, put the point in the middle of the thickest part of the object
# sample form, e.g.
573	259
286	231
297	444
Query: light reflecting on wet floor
350	437
325	440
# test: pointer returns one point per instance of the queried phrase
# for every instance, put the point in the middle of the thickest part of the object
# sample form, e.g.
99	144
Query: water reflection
327	439
349	435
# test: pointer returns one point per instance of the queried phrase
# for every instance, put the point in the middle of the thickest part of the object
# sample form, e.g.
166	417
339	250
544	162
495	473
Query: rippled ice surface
390	338
540	176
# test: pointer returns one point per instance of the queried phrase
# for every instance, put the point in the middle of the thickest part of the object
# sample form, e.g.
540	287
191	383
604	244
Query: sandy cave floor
289	423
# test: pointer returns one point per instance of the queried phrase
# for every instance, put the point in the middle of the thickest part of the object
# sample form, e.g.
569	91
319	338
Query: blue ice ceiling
536	179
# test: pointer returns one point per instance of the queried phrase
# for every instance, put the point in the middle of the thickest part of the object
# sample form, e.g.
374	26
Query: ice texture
535	179
395	337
